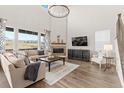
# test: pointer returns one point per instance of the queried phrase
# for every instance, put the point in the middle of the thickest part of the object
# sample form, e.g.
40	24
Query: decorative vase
58	39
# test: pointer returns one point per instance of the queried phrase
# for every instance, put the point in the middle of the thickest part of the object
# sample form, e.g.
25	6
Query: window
42	41
45	6
102	38
27	39
9	36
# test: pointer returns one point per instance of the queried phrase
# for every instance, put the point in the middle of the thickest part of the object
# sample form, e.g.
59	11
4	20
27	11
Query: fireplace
58	50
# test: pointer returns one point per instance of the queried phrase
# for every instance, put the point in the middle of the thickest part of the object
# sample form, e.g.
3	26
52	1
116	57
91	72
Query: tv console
79	54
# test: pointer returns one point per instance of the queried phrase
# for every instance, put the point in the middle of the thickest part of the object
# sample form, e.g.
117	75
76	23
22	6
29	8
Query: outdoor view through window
27	40
9	36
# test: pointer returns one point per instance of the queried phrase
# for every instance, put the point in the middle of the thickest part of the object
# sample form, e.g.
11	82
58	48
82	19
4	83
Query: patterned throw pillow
23	54
17	62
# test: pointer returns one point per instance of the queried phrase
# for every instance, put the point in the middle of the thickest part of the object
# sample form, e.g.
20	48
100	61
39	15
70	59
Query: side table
108	62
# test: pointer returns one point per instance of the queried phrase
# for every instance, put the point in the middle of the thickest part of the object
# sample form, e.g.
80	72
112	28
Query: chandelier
58	11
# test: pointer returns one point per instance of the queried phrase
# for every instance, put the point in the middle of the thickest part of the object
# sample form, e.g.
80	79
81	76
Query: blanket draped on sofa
31	72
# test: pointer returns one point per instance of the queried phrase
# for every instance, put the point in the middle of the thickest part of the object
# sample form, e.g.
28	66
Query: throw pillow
27	61
24	56
19	63
14	60
32	52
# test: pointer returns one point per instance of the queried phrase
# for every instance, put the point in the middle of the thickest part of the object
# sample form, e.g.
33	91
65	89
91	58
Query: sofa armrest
17	76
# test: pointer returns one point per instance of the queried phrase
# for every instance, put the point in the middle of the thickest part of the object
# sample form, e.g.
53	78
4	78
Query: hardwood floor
85	76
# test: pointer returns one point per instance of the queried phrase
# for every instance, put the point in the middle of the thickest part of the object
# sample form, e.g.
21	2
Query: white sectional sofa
15	76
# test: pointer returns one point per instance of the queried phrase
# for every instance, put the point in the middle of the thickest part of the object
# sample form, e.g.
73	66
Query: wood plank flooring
85	76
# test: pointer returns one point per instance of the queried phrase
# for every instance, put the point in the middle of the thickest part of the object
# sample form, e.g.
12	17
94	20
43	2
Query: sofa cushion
32	52
10	56
17	62
22	54
33	58
27	61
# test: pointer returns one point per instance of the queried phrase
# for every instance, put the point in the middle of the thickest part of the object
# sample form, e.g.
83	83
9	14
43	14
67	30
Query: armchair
98	59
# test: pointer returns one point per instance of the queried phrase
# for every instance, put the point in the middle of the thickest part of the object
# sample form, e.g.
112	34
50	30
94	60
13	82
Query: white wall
102	38
58	27
82	20
85	20
31	17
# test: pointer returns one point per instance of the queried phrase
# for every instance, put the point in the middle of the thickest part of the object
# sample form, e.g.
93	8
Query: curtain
120	37
47	47
2	36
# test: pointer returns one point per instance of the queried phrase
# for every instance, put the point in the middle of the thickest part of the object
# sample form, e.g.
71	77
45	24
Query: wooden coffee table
51	60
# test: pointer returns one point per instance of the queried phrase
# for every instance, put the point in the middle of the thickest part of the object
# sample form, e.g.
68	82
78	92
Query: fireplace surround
59	49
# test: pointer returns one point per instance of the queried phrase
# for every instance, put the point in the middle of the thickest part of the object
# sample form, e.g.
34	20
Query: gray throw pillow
26	60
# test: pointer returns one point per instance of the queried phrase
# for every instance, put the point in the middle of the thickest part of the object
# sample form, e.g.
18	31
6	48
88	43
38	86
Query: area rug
58	71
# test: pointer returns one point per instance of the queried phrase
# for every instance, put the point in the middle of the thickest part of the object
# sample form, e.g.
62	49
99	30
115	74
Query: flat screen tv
79	41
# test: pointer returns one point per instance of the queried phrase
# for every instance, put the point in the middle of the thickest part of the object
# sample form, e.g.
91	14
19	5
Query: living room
69	48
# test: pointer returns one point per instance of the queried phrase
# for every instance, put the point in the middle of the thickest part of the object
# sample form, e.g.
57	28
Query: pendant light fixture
58	11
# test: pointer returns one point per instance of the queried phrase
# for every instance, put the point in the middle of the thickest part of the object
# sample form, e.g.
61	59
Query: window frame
9	29
29	33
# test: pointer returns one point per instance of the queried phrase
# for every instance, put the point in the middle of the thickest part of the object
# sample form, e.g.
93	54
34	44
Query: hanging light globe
58	11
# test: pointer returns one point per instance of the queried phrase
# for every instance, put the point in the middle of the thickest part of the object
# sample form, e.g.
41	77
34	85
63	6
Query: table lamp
108	50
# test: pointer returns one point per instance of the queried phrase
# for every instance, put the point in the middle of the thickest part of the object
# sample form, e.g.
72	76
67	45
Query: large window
27	39
9	36
102	38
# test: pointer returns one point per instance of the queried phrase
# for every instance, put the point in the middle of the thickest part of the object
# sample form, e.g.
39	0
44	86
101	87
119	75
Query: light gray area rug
58	71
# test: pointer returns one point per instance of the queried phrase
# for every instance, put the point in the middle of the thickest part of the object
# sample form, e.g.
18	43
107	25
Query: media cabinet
79	54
